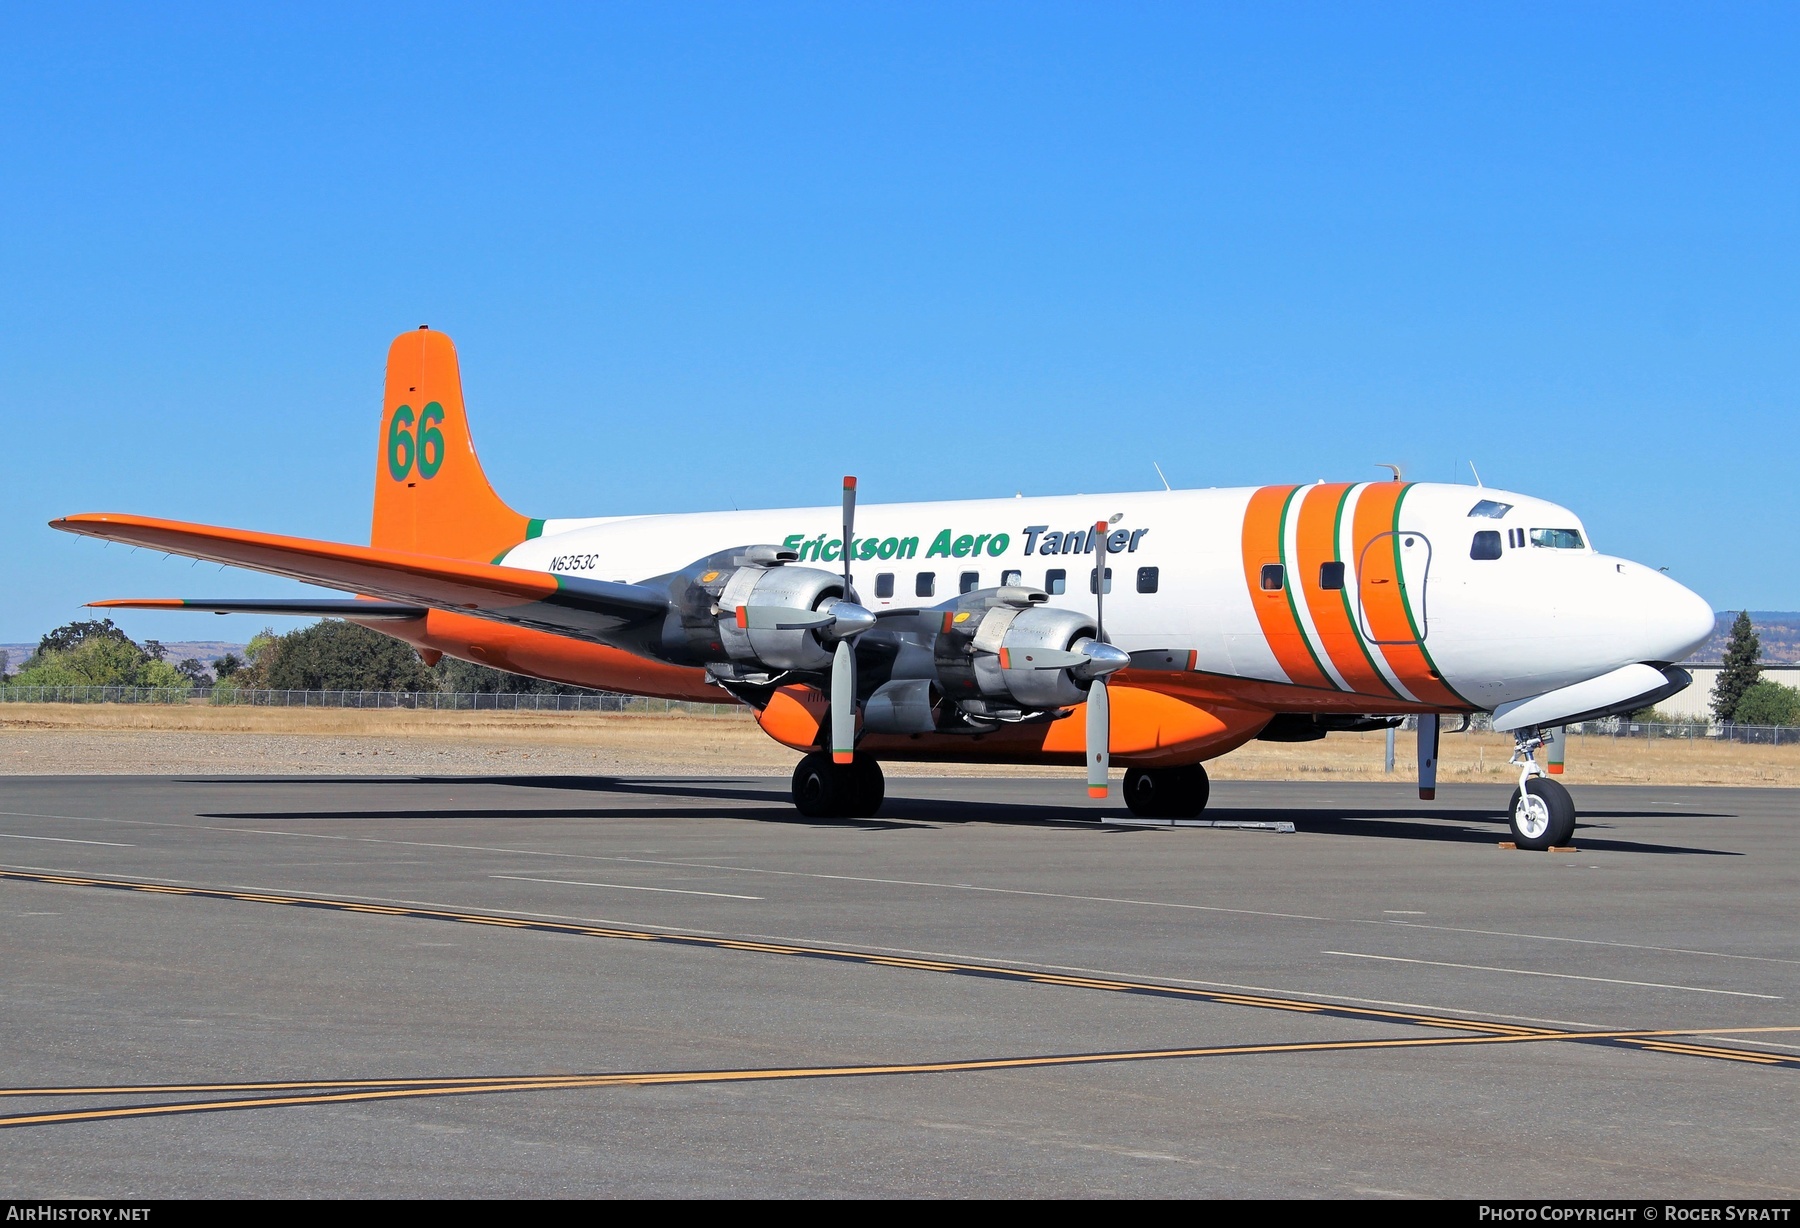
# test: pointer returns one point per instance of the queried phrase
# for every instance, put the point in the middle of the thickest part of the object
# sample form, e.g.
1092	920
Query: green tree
99	660
227	665
71	635
334	655
456	675
1769	703
1740	672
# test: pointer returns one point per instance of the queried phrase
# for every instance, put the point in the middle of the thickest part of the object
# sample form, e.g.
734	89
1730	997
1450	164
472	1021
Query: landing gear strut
827	790
1167	793
1541	812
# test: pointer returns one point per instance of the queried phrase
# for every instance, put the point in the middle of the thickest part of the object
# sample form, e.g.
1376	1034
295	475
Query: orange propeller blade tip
843	756
743	618
1096	790
849	482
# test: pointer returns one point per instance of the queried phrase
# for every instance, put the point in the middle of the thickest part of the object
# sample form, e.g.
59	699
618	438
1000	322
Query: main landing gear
1541	812
827	790
1167	793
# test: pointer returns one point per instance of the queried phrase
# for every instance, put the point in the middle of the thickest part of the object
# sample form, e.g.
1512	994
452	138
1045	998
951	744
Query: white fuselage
1545	612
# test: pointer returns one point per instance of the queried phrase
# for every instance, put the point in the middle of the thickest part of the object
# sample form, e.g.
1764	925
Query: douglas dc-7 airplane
1159	629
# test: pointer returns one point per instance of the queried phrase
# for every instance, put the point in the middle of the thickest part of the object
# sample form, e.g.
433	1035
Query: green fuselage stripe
1406	599
1337	530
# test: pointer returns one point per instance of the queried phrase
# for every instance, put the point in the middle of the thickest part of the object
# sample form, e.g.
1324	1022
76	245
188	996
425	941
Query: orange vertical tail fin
431	496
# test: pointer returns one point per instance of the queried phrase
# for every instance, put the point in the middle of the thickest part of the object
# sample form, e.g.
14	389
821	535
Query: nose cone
1679	620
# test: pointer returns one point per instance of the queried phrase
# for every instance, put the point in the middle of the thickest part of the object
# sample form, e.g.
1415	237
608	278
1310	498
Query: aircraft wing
562	605
366	611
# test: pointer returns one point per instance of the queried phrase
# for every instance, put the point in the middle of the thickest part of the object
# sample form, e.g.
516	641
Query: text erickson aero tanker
980	631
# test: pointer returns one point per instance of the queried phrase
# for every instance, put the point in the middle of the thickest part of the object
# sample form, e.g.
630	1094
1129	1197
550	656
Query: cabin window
1147	578
970	581
1486	545
1557	539
1056	581
1091	576
1274	578
1010	579
1490	509
1331	575
926	584
884	585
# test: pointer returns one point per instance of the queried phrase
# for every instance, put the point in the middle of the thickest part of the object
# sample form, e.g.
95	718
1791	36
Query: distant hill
174	651
1779	631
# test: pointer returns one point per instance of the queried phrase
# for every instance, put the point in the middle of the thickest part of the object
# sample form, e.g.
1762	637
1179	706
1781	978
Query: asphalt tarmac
675	987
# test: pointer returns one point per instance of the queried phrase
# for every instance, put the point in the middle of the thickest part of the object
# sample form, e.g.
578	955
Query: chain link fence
1616	727
444	701
603	701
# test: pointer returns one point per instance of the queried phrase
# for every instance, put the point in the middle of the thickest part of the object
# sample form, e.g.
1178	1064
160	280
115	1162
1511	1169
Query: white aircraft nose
1680	620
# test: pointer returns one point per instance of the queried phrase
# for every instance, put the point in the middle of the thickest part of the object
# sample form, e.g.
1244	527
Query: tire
1193	789
868	788
819	791
1541	817
1141	793
1167	793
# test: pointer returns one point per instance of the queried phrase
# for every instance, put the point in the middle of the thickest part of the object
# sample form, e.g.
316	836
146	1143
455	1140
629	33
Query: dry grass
1595	759
112	738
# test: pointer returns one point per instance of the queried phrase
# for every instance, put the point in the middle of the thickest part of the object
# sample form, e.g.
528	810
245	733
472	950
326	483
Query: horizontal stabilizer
365	611
562	605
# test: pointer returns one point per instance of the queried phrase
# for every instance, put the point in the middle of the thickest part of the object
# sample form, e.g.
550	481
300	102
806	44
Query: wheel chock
1511	847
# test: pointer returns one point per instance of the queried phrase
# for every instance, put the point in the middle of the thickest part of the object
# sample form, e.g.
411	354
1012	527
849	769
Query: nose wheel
827	790
1167	793
1541	812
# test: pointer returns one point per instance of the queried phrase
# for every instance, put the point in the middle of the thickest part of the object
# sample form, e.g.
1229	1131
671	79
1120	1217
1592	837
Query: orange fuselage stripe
1263	520
1317	539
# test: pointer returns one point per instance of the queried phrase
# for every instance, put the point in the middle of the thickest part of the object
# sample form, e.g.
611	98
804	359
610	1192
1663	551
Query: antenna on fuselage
1477	473
1394	468
1159	473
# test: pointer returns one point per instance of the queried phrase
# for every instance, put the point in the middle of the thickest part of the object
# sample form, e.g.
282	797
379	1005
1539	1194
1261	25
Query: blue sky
710	256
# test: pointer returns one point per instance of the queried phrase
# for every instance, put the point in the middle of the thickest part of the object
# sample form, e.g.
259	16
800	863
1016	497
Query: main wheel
868	788
820	787
1167	793
827	790
1542	815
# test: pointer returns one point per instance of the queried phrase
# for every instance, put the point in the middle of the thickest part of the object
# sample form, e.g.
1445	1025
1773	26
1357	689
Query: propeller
843	664
1099	716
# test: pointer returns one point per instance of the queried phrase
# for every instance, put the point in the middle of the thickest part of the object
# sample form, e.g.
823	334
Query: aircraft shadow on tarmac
1440	825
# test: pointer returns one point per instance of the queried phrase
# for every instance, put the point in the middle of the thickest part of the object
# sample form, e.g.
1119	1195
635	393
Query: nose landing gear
827	790
1541	812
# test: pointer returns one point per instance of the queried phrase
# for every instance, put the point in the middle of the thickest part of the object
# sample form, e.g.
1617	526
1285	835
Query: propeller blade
781	618
1103	659
1040	658
1099	734
843	704
849	529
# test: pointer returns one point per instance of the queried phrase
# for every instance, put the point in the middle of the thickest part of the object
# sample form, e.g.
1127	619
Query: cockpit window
1486	545
1490	509
1558	539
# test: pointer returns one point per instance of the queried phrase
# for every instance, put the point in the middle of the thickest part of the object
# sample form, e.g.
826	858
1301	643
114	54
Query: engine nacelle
703	627
1006	625
803	588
